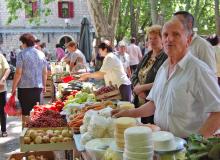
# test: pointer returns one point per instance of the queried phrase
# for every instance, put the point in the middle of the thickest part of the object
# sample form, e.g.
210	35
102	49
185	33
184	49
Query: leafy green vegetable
199	148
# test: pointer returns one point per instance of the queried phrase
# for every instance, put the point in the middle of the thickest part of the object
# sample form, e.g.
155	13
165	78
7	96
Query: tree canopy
136	15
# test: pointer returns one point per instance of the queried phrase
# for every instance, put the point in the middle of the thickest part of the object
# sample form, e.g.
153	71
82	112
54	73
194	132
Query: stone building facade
52	30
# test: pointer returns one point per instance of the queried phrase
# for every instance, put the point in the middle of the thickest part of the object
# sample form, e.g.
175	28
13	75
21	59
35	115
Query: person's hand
44	90
84	76
116	113
13	91
142	95
2	81
137	89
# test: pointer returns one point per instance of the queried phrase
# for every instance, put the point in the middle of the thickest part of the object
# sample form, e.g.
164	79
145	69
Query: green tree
14	6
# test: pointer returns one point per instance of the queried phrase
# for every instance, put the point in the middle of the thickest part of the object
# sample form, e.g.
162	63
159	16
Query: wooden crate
49	88
109	96
49	155
44	146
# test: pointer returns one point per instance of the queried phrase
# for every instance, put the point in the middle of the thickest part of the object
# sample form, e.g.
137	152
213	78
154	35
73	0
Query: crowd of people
172	81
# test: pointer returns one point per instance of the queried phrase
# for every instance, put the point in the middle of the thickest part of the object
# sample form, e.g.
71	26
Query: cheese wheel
163	140
125	122
125	157
139	149
143	155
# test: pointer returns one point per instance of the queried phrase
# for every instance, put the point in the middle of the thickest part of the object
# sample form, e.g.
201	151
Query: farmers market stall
79	122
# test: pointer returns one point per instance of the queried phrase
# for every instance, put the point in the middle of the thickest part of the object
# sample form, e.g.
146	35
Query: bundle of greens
200	148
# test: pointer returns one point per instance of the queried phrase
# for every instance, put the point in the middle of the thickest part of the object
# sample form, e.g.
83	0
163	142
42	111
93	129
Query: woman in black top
143	77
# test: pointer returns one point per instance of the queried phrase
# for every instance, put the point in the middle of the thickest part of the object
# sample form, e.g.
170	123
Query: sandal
4	134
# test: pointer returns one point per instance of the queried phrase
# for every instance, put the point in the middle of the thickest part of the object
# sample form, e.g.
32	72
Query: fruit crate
109	96
48	155
108	93
45	146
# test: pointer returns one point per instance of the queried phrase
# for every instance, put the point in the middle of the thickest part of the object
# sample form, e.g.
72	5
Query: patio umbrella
84	42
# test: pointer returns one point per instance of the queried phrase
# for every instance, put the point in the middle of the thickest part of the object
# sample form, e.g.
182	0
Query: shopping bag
10	107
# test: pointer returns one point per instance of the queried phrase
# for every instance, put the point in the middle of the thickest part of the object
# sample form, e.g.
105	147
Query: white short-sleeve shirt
203	50
183	102
114	71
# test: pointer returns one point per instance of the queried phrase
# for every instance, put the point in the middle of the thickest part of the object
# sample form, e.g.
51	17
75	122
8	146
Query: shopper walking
31	74
4	72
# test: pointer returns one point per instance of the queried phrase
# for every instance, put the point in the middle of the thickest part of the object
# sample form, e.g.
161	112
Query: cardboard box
49	155
44	146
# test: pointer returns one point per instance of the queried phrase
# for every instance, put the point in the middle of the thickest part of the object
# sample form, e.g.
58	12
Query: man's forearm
145	110
97	75
211	125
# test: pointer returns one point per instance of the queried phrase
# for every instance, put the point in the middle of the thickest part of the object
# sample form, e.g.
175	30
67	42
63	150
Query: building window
65	9
31	9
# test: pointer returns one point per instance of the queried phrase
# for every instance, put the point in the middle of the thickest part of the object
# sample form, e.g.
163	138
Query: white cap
122	44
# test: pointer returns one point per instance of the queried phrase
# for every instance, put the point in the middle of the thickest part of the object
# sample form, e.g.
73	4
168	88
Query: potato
57	132
27	140
33	134
65	133
40	134
67	139
60	138
70	134
52	140
45	139
38	140
50	133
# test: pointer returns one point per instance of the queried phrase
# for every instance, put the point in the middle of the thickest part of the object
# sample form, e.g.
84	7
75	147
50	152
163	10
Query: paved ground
10	144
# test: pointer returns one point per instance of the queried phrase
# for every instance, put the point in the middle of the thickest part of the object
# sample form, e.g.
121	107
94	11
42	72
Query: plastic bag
86	137
88	116
10	107
98	126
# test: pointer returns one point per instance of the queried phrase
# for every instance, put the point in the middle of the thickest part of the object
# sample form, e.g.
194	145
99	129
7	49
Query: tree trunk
196	15
133	21
217	17
105	25
154	13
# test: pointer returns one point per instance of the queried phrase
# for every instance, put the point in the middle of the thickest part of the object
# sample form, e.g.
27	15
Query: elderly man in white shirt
124	57
199	47
185	97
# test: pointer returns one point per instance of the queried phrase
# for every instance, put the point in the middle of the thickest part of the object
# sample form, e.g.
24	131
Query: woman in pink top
59	52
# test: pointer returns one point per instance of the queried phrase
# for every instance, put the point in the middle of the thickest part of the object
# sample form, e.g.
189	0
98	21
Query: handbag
10	107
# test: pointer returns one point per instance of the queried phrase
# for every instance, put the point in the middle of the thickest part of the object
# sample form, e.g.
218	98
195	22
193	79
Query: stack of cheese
138	144
121	124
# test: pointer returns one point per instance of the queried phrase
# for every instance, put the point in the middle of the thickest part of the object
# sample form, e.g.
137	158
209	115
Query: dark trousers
219	81
125	91
2	112
133	68
28	98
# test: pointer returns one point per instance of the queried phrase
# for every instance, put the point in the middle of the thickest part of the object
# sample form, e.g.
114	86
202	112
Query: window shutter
71	9
60	9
